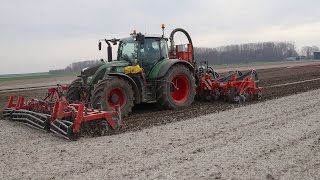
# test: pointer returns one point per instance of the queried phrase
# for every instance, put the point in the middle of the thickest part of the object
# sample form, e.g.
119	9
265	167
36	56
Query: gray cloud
43	34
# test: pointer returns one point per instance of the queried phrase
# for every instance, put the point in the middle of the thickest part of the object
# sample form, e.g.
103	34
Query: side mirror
99	46
140	37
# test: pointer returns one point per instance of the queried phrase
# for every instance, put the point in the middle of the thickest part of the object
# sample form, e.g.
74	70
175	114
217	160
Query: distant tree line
231	54
76	66
245	53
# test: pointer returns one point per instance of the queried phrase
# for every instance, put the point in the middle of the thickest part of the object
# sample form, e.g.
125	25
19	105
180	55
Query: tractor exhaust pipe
109	49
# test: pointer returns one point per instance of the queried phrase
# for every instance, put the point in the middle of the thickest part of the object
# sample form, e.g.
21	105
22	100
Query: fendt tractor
147	69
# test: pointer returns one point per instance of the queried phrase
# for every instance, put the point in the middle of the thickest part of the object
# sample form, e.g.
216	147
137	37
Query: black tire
166	90
73	93
102	95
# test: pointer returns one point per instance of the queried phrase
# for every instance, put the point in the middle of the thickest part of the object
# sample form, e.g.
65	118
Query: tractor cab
152	51
143	50
149	52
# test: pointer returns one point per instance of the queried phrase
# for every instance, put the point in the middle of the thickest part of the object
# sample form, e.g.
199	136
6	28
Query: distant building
301	57
316	55
291	58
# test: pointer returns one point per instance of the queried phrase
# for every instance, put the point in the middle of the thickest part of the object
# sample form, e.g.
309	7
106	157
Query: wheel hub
114	98
181	89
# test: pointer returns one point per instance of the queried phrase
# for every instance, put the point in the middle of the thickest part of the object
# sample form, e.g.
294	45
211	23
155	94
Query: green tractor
146	70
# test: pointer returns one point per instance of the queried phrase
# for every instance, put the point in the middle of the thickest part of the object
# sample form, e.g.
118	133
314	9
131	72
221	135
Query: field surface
277	138
273	139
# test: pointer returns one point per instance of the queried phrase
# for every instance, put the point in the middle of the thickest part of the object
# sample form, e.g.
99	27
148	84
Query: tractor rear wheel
73	93
111	92
176	89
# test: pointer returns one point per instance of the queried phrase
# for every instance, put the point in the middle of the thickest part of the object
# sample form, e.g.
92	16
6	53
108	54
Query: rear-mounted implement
66	120
235	87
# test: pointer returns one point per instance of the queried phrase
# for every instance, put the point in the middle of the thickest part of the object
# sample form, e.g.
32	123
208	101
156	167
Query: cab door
150	54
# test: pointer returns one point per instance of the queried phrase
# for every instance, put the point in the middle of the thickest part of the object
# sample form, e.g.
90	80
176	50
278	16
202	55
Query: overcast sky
38	35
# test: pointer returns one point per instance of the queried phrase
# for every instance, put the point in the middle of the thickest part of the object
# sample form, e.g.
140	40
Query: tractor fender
167	64
134	85
90	71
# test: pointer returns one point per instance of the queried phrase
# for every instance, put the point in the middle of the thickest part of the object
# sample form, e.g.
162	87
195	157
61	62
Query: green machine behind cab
167	77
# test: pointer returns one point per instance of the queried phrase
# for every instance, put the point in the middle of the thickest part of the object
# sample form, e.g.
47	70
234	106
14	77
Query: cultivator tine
59	128
6	113
33	119
63	128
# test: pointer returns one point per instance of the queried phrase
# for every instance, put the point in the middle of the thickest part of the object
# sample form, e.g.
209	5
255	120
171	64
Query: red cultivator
54	114
236	87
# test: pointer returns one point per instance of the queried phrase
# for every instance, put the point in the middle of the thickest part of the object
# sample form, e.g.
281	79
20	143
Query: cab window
150	53
164	49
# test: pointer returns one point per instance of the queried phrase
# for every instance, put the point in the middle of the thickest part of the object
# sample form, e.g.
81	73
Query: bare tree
308	51
315	48
244	53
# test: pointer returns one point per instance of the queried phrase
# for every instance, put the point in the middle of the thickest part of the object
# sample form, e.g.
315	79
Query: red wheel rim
181	89
116	97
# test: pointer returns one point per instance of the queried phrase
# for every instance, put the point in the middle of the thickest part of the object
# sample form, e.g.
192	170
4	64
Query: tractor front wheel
176	90
112	92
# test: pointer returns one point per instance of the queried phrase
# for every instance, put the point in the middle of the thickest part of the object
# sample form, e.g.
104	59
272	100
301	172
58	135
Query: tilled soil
275	139
278	138
147	115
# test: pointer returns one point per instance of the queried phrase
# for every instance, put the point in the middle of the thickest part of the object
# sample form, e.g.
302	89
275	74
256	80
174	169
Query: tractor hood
117	63
94	74
113	66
